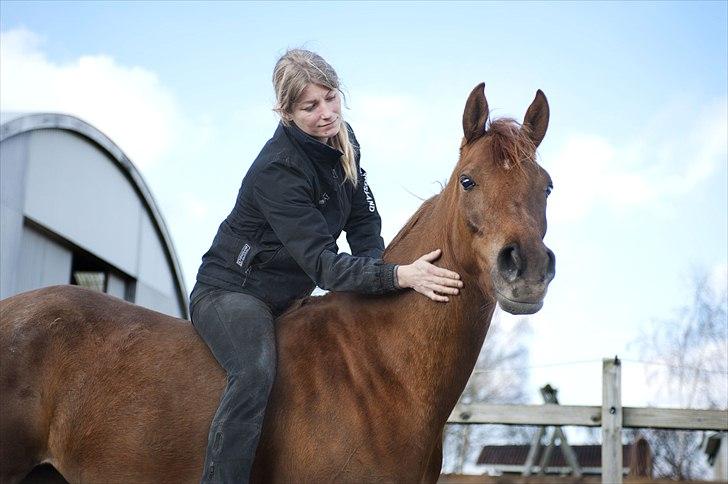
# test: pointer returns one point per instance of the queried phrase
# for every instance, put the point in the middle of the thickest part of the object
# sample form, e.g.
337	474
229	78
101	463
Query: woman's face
318	112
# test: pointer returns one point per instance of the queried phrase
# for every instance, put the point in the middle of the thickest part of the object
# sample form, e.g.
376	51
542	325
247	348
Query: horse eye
466	182
548	190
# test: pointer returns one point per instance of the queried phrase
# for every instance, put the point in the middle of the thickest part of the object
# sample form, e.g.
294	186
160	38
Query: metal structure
549	395
75	210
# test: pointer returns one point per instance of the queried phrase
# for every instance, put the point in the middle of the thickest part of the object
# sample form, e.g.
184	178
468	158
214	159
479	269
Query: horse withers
107	391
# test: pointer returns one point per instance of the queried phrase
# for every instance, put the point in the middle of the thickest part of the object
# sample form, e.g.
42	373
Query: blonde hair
295	70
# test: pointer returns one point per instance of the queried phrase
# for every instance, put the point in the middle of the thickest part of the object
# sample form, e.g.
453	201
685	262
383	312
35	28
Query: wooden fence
610	416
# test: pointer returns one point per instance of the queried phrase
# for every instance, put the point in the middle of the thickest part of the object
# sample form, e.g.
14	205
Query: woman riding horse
101	389
279	242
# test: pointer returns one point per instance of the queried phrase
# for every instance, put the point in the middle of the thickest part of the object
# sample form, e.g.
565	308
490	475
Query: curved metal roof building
75	210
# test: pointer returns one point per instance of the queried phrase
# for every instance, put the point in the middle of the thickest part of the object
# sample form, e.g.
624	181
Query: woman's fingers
444	289
442	286
444	281
438	271
436	297
445	273
429	257
437	291
434	282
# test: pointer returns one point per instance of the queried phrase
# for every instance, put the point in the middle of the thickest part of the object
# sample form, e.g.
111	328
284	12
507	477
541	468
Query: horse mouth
518	307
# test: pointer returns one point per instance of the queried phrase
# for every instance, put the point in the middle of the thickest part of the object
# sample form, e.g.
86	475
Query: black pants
238	329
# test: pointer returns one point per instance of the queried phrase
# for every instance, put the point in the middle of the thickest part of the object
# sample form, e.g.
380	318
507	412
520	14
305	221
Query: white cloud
660	163
128	103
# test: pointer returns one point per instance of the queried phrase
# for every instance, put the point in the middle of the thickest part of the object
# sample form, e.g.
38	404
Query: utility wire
678	367
582	362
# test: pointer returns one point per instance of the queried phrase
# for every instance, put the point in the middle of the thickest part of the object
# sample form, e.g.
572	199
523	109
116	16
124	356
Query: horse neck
436	345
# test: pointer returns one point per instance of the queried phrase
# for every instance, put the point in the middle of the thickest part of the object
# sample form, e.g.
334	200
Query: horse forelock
510	143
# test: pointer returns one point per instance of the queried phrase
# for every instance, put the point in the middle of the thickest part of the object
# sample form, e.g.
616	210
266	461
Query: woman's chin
330	132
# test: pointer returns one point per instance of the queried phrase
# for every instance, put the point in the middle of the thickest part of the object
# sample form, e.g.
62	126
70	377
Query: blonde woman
279	242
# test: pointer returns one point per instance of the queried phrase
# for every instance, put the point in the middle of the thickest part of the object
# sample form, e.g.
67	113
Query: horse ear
475	115
537	118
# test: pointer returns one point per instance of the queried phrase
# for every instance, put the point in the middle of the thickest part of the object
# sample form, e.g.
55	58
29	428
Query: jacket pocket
265	257
237	252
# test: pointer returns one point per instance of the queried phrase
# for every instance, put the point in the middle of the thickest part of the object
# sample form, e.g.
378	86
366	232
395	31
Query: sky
636	144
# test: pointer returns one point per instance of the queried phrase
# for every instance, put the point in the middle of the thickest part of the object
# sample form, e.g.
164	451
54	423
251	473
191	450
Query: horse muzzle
521	278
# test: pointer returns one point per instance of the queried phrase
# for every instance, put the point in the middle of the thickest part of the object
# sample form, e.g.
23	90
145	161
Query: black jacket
279	241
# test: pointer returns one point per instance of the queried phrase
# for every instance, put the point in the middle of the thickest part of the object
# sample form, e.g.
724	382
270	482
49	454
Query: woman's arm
284	196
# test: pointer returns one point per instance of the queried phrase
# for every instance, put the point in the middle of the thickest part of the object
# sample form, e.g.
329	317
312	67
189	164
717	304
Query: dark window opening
89	270
86	271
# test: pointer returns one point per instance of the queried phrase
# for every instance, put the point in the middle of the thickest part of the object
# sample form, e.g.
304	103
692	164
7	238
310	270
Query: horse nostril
509	263
551	269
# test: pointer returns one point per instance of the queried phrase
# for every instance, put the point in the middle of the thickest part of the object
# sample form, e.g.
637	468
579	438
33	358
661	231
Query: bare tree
500	376
688	356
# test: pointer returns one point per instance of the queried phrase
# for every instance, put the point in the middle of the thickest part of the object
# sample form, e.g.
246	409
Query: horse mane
404	231
511	143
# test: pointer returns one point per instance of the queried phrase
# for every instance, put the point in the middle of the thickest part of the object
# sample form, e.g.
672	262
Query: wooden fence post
611	421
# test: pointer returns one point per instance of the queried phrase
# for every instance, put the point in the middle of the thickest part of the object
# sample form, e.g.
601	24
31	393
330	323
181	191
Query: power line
582	362
677	367
546	365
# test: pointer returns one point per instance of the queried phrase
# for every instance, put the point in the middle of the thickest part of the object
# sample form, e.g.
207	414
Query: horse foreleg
23	433
18	450
434	464
23	442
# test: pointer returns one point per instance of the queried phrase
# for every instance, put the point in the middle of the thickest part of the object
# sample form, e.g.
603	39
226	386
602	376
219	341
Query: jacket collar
314	149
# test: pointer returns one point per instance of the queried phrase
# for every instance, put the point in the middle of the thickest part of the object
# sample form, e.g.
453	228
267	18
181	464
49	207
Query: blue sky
636	145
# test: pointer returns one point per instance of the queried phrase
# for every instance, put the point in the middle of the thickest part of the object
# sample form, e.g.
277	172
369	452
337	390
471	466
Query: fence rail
589	416
610	416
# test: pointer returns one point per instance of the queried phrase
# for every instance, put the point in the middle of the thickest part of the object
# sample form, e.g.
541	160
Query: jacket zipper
247	272
340	194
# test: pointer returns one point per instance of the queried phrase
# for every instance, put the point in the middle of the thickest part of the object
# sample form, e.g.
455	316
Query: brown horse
107	391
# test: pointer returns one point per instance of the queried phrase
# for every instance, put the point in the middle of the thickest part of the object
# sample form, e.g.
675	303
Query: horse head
500	194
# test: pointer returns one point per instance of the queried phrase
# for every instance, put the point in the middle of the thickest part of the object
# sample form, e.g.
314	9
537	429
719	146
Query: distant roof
14	123
586	455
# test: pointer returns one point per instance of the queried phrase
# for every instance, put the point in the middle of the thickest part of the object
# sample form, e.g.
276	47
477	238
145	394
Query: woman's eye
466	182
308	109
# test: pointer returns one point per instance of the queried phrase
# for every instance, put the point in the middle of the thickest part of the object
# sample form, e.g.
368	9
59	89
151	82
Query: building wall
61	192
75	190
43	262
13	155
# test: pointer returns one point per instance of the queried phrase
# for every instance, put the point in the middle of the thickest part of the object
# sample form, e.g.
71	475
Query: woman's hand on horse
428	279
